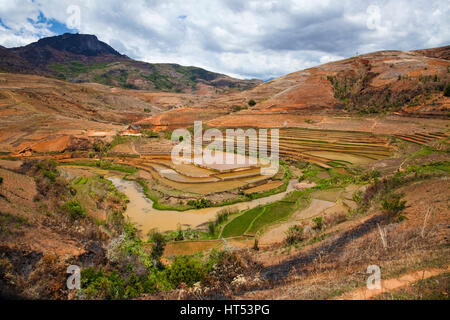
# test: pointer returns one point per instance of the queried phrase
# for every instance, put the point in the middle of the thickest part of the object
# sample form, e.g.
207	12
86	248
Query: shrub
252	103
256	245
103	285
370	175
211	228
224	266
48	169
49	174
318	222
150	133
222	215
74	210
185	269
294	235
393	206
239	108
199	204
179	236
358	197
447	90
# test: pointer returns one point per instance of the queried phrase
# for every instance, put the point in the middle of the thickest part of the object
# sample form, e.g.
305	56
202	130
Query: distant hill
410	82
84	58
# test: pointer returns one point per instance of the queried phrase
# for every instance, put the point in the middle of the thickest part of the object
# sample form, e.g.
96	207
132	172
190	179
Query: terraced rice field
326	147
264	187
190	178
421	138
323	147
254	220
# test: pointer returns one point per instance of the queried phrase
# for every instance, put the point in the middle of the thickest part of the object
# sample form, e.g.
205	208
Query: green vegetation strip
105	165
254	220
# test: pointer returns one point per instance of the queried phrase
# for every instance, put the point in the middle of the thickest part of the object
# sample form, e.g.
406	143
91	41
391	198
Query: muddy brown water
140	209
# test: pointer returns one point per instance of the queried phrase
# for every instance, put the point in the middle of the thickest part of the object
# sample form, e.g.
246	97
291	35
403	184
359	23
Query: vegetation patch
74	210
75	68
103	164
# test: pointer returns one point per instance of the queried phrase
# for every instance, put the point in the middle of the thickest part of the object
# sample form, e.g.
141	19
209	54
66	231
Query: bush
185	269
48	169
103	285
211	228
239	108
447	90
179	236
199	204
358	197
74	210
222	215
318	222
49	174
256	245
252	103
224	266
393	206
294	235
150	133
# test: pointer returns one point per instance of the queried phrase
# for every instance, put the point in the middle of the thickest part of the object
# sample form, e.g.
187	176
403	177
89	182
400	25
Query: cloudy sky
242	38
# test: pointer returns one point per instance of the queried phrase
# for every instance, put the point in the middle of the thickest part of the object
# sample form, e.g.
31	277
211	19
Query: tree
159	243
252	103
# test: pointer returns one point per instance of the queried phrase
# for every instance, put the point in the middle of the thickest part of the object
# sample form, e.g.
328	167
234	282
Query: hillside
381	83
83	58
375	82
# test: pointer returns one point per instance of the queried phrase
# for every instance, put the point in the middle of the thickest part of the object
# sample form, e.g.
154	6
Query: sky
242	38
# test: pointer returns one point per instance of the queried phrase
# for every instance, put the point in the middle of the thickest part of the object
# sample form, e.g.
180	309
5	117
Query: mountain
83	58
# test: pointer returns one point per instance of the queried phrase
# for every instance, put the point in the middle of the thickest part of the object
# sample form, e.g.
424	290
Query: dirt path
392	284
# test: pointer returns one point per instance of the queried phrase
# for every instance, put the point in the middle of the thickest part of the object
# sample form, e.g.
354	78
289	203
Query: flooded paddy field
140	209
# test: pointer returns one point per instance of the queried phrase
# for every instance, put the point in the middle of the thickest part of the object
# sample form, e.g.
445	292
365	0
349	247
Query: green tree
159	244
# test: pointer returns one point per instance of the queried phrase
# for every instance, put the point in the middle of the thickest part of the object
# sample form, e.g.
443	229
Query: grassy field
106	165
255	220
241	224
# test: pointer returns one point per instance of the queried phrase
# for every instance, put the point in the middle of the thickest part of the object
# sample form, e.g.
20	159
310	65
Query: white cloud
254	38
